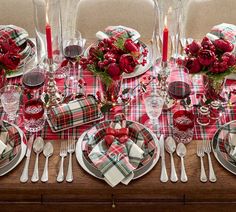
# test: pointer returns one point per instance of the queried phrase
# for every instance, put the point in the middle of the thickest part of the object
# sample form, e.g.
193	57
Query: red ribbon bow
119	134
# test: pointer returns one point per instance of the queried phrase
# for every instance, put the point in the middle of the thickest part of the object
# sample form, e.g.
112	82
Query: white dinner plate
96	173
30	58
139	70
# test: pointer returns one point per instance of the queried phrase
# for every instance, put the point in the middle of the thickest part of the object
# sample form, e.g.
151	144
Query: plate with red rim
150	160
139	70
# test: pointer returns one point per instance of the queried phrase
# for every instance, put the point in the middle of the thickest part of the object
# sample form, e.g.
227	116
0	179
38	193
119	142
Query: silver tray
219	147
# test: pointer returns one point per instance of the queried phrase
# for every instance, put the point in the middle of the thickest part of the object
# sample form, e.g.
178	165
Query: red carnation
229	58
207	44
132	47
224	45
113	70
206	57
193	48
193	65
10	60
219	67
127	63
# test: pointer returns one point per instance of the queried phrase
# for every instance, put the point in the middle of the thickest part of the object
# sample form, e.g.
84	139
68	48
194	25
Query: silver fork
71	149
63	154
200	153
207	149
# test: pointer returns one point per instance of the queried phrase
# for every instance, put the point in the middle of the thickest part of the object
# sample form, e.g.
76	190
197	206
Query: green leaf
188	100
208	101
106	107
46	98
104	76
120	43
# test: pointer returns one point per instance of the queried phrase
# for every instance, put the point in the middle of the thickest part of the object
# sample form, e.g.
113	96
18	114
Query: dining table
87	193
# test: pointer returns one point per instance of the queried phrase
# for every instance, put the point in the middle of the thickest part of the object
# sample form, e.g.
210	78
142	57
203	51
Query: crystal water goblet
153	104
10	98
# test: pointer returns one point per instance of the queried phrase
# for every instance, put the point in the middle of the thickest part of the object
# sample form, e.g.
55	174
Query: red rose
114	70
11	60
132	47
194	47
127	63
224	45
219	67
193	65
229	58
207	44
206	57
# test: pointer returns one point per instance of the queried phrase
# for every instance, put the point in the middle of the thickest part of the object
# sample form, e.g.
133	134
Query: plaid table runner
135	111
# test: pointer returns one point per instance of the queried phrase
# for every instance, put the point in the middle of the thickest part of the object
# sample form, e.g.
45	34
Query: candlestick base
164	73
52	96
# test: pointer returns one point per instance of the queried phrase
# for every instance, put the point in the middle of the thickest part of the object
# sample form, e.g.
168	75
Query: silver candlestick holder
53	97
164	73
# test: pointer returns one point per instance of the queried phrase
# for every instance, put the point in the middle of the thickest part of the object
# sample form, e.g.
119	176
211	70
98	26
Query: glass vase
111	92
52	10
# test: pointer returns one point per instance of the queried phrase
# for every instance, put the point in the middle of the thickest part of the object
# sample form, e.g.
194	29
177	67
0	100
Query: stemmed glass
10	98
153	104
73	47
179	84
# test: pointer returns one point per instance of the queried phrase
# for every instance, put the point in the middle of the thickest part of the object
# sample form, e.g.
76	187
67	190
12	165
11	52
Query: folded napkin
4	146
232	144
122	30
116	155
76	112
225	31
15	33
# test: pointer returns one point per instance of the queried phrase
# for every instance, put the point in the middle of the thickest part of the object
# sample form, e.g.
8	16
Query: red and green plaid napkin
118	161
15	33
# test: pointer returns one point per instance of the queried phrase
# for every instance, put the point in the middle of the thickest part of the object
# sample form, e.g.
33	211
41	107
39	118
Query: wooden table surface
87	192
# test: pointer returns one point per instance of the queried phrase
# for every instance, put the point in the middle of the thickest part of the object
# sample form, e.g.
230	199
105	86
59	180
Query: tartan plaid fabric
17	34
74	113
13	142
226	31
118	161
115	163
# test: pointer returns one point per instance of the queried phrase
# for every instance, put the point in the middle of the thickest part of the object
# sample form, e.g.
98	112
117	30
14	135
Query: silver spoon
38	148
181	152
170	148
47	151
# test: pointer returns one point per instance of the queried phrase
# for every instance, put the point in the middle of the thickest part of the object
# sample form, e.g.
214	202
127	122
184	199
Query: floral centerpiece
109	58
212	59
9	57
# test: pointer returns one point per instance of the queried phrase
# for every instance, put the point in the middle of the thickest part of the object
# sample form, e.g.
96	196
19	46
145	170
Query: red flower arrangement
212	58
112	56
9	54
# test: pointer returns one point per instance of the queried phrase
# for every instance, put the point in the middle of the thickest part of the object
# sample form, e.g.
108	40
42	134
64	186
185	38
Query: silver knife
24	176
164	176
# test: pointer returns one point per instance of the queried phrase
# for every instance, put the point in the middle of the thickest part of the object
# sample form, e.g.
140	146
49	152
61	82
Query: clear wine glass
73	47
153	104
10	98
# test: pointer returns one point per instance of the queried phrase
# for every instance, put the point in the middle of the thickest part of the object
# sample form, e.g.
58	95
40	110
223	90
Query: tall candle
48	36
165	42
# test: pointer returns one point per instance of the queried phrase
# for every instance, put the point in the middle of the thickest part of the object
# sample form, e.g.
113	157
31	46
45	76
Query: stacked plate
151	148
20	37
15	141
224	146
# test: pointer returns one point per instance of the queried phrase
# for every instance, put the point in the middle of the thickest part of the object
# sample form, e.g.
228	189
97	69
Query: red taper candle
165	42
48	35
